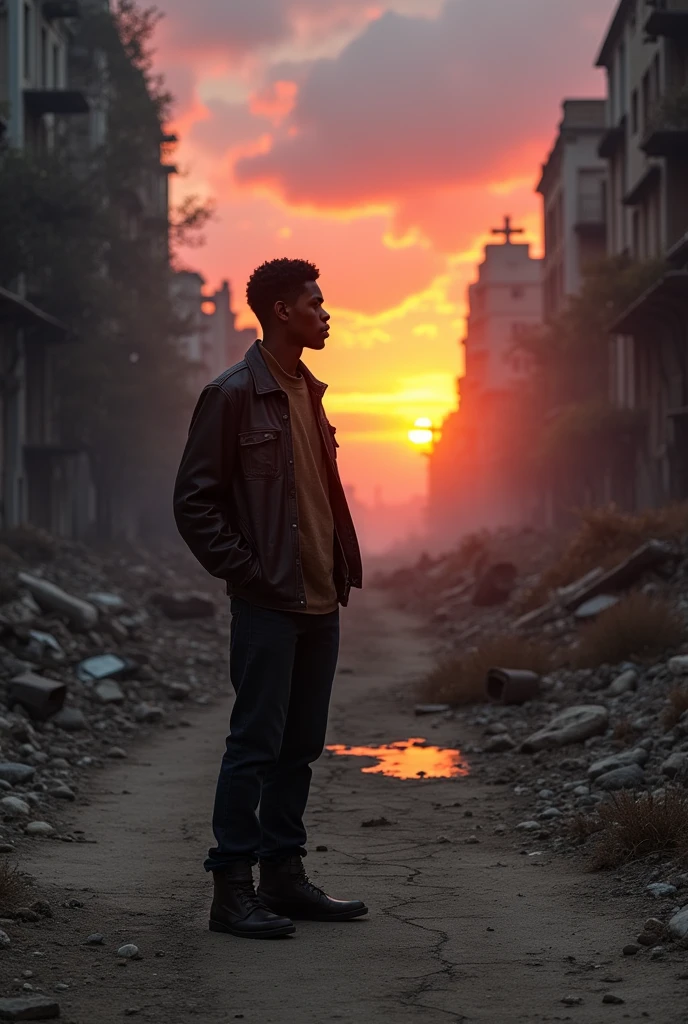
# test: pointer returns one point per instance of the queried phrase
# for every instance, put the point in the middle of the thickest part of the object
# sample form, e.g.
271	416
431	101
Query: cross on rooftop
507	231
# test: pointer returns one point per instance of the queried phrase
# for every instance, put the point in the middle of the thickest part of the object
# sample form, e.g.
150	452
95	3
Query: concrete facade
574	191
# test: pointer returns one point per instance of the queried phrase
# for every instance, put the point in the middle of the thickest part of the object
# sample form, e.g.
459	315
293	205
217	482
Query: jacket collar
263	380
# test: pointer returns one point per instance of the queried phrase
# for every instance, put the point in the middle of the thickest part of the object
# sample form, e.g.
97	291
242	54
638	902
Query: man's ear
281	310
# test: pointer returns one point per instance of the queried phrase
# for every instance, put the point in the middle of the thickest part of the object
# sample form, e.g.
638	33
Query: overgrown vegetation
677	707
632	826
87	229
639	627
13	888
605	537
461	679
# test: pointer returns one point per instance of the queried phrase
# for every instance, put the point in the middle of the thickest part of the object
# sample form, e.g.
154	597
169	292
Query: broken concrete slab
104	666
192	605
70	719
51	597
571	726
109	692
38	695
29	1008
625	574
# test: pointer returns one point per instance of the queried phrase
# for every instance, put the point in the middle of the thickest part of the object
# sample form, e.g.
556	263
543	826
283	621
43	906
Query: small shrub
461	679
678	705
632	826
623	733
13	888
605	538
582	826
640	626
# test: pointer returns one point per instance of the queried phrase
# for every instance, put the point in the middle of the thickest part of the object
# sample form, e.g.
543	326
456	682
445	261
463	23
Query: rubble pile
96	648
569	742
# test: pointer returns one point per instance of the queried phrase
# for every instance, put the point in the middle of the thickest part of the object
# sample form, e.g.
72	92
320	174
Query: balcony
667	20
613	140
667	132
53	10
591	216
55	101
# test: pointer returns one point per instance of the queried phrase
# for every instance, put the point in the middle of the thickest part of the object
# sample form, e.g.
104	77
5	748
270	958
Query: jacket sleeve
202	490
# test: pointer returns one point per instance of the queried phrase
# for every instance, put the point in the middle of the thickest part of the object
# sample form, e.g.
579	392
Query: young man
259	501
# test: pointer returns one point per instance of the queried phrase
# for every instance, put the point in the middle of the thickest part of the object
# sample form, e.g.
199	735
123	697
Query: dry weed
678	705
633	826
461	679
640	626
606	537
13	888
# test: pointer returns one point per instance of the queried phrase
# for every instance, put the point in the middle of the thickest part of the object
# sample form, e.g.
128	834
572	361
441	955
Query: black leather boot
237	910
286	889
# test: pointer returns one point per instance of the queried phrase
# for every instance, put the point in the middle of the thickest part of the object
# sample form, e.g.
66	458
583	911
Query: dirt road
458	931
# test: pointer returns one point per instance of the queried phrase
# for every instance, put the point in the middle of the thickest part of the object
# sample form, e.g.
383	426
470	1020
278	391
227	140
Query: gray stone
148	713
501	744
15	773
678	666
29	1008
107	602
678	925
116	753
43	645
625	683
13	807
5	940
420	709
595	606
63	793
622	760
550	813
70	719
39	828
95	940
630	777
129	951
529	826
180	691
109	692
631	949
660	890
571	726
676	764
80	613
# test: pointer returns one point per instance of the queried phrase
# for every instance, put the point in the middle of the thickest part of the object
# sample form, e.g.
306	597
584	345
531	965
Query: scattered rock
129	951
571	726
148	712
499	744
678	666
14	807
625	683
609	764
63	793
15	773
595	606
529	826
431	709
660	890
631	949
678	925
630	777
109	692
71	720
572	1000
95	940
184	606
375	823
39	828
612	999
180	691
5	940
117	753
29	1008
676	764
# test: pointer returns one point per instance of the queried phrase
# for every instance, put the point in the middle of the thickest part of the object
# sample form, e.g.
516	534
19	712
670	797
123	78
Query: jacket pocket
260	452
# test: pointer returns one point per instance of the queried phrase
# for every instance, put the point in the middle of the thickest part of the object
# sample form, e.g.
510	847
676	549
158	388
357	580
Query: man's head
286	298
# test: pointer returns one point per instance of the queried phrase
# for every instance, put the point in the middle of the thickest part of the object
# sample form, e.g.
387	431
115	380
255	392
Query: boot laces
302	879
247	896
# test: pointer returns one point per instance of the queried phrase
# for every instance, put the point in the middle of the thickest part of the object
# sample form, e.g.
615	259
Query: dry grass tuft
605	538
582	826
13	888
623	734
461	679
632	826
640	626
678	705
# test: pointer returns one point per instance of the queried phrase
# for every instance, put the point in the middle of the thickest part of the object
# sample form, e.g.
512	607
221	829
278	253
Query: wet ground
464	925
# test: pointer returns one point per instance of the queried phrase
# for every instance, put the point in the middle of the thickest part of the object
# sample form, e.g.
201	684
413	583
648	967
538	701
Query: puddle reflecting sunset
409	759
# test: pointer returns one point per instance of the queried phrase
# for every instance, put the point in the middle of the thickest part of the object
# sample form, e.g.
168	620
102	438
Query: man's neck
286	355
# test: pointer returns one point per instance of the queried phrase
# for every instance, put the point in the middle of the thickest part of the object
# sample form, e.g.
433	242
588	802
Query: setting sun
422	433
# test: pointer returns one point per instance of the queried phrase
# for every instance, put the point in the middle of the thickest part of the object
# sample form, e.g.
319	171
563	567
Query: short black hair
278	279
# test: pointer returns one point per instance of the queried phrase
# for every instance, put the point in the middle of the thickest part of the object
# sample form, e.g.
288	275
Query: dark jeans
282	666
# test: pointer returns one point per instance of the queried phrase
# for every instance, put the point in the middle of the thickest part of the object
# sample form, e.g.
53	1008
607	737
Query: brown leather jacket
235	495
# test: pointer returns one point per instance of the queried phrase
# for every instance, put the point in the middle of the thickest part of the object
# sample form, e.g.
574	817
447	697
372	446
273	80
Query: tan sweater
316	523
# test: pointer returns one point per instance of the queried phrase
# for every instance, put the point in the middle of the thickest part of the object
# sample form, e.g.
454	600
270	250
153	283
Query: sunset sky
382	141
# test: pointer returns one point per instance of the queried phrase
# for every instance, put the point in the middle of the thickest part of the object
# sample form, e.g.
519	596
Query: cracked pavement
457	931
